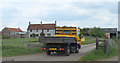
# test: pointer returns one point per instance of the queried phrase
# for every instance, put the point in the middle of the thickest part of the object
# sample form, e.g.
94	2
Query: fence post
112	43
23	43
96	43
106	46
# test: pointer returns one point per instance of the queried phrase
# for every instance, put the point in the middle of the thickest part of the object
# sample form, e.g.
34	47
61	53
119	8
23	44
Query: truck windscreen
66	31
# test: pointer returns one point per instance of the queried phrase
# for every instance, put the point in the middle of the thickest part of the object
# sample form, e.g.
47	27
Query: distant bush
97	32
6	37
84	31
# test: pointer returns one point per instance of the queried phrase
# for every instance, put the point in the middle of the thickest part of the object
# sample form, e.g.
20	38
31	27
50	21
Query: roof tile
14	29
41	26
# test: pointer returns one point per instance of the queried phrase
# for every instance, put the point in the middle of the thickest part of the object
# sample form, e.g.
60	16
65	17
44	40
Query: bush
97	32
84	31
6	37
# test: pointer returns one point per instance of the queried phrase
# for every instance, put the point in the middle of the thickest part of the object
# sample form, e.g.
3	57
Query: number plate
52	49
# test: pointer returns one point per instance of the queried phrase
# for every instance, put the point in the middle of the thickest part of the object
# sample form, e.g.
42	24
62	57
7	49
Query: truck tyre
67	52
48	52
77	50
80	47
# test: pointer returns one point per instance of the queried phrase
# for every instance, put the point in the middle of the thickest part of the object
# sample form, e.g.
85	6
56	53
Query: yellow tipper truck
66	39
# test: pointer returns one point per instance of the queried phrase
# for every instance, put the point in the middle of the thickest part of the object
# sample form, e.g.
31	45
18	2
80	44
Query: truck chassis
66	45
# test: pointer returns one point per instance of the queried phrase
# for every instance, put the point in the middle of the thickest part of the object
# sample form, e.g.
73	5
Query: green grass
18	44
99	54
16	51
16	48
35	39
89	40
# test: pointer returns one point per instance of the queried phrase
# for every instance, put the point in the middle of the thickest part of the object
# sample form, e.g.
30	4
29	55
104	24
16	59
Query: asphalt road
54	57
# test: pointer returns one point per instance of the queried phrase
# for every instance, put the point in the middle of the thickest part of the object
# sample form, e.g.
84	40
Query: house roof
41	26
14	29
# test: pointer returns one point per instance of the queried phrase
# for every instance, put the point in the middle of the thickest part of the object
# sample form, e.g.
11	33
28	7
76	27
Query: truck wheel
80	47
77	50
48	52
67	53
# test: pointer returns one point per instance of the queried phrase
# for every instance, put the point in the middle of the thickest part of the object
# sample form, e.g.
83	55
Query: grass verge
98	54
16	48
16	51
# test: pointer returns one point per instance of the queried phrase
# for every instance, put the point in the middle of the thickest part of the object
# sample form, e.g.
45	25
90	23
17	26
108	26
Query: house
36	29
112	31
13	32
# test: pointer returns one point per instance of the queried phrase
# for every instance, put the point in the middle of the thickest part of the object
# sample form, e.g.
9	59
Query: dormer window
36	30
42	30
47	30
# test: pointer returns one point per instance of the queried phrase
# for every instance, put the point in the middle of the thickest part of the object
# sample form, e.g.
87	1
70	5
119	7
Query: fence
108	44
22	43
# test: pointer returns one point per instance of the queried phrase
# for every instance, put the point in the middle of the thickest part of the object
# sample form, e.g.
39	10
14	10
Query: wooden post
23	43
106	46
97	43
112	43
119	43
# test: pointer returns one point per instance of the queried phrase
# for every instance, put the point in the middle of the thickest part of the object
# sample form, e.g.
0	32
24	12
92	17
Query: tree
64	26
84	31
34	35
97	32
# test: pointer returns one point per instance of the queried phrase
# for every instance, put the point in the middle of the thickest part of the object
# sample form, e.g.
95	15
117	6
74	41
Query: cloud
66	12
96	0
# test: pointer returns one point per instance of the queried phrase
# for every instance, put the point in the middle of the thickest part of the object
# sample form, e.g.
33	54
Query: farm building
112	31
34	30
13	32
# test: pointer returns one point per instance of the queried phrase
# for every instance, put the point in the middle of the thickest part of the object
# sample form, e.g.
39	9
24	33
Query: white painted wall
51	31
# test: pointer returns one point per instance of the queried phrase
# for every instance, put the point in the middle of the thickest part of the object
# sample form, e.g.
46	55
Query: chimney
17	29
55	22
29	23
41	22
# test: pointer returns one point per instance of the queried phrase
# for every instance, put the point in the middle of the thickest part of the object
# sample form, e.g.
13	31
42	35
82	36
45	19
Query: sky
78	13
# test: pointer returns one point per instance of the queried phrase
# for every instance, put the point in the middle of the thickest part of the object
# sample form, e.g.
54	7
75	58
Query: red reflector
61	48
43	48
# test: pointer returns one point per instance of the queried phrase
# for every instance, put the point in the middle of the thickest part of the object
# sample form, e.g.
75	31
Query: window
42	30
66	31
36	30
47	30
30	30
37	35
31	35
